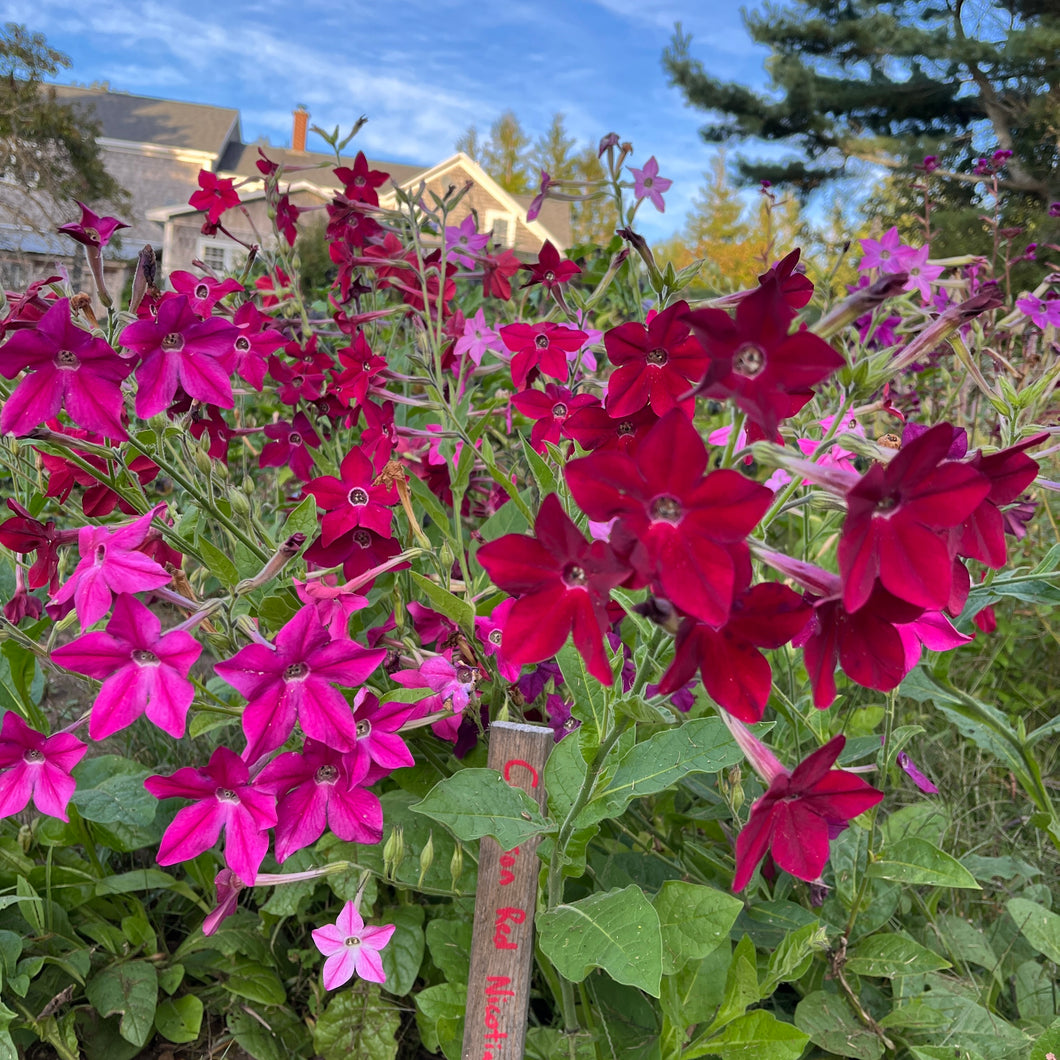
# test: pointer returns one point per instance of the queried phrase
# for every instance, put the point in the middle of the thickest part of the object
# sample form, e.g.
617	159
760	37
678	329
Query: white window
221	255
502	228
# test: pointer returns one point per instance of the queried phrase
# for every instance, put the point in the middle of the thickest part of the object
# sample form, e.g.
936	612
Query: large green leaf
617	931
754	1035
283	1035
403	954
110	790
1040	927
357	1023
694	920
131	991
178	1019
916	861
473	803
700	746
892	956
831	1024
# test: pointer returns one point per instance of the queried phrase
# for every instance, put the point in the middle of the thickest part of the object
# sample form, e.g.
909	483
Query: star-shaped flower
351	948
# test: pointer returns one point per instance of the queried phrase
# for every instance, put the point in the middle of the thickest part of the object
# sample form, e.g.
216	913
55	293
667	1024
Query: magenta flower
289	444
647	184
142	670
897	518
179	349
204	292
656	364
921	274
683	530
490	632
216	195
463	242
351	948
539	199
111	563
92	230
755	362
318	789
563	583
888	254
378	725
355	500
66	367
295	680
800	813
37	767
452	687
225	800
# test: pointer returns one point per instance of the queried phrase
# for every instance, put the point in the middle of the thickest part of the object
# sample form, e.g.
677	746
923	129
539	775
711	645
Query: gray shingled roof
167	122
243	158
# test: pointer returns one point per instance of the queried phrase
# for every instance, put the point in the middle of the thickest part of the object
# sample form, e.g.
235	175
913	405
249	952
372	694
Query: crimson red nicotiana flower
289	443
177	348
550	270
683	530
216	195
897	520
756	361
360	182
735	673
549	408
354	500
800	813
656	364
66	367
562	582
543	346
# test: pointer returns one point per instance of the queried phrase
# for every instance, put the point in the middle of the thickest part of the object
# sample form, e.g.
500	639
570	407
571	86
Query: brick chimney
301	124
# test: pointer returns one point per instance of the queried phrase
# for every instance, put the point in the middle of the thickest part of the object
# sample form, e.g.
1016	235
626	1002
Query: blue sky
422	70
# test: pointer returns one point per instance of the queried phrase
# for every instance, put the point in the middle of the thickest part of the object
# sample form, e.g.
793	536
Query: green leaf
283	1037
178	1019
741	983
406	695
694	994
131	991
791	959
751	1036
110	790
831	1024
445	603
302	520
589	696
617	931
170	978
257	983
221	567
1039	926
1048	1043
473	803
703	745
542	473
440	1015
403	954
889	957
943	1052
693	920
916	861
450	945
135	880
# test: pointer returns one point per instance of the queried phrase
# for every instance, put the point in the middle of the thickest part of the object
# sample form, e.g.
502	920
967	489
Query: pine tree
891	81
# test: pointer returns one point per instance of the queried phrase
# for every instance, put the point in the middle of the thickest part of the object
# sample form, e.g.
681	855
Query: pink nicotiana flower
66	367
478	338
463	242
296	680
142	669
178	348
1044	313
452	685
35	766
334	603
647	184
921	274
111	562
317	789
351	948
888	254
225	800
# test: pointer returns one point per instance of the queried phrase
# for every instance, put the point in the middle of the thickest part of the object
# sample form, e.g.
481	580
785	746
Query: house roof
242	159
165	122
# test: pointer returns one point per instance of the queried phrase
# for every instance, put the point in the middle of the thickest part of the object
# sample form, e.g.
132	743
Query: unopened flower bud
239	502
393	852
426	858
456	864
248	485
202	460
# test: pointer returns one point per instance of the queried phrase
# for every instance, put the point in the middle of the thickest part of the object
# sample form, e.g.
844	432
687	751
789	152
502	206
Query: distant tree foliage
516	163
891	81
48	150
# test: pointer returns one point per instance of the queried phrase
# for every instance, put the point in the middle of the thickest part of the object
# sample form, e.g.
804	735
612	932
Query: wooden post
502	944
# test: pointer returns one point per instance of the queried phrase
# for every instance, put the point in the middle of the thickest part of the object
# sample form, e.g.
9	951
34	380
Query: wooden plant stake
502	943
